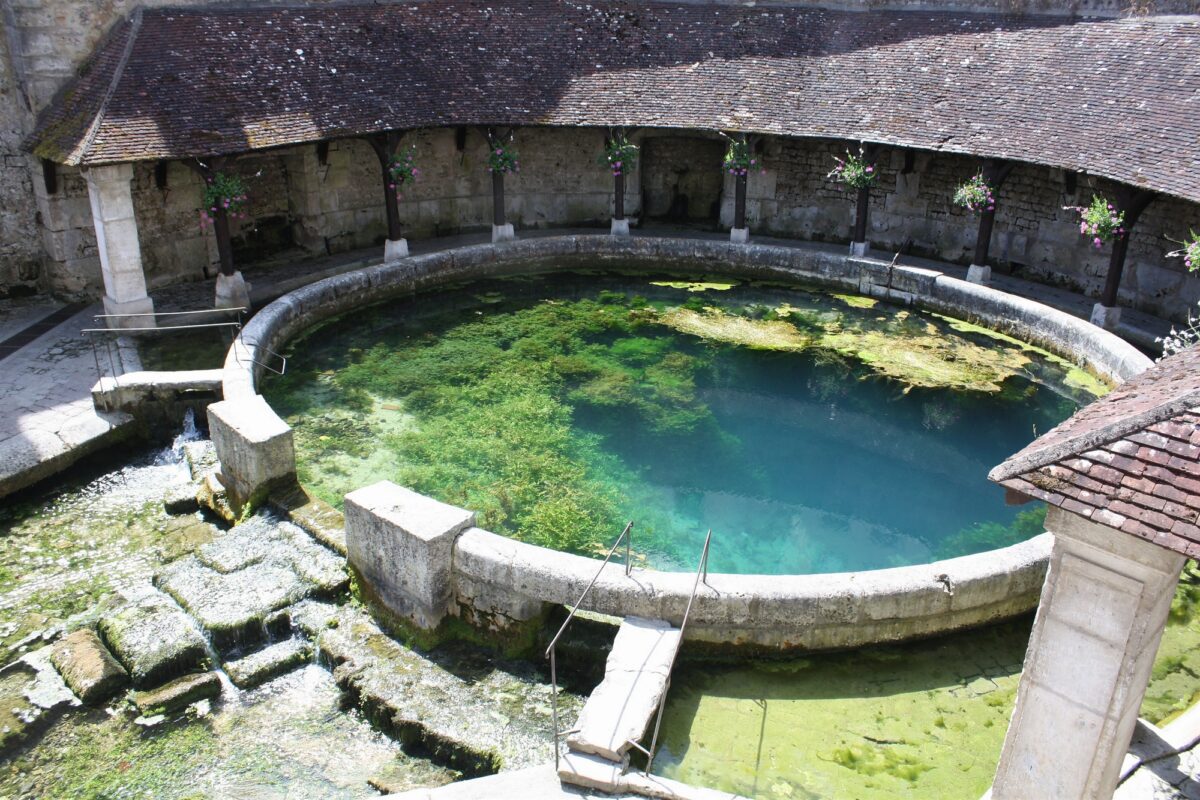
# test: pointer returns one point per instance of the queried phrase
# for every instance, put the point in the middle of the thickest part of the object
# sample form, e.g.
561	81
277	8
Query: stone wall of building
300	205
912	213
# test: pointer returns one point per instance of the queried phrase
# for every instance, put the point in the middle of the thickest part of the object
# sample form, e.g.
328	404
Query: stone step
462	707
635	680
262	665
593	772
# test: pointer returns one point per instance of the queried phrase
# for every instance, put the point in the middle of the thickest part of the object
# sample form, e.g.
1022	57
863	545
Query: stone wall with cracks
506	582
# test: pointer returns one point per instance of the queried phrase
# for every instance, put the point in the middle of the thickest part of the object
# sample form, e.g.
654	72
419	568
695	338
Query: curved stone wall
498	580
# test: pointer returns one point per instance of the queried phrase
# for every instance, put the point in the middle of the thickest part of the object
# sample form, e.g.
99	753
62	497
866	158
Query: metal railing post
551	649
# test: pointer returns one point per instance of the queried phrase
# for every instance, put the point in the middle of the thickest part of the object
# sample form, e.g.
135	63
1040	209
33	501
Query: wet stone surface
178	693
153	638
87	667
264	664
460	705
235	583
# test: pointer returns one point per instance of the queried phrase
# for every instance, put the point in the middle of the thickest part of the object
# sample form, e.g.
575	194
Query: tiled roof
1130	461
1115	98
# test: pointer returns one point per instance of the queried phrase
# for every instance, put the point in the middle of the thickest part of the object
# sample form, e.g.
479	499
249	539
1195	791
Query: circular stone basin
812	432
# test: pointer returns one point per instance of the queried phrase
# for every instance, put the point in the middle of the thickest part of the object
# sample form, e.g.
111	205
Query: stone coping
804	611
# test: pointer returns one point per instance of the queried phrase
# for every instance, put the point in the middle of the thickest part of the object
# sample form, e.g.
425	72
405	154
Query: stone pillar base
620	227
978	274
1106	317
401	544
739	235
859	249
394	250
140	305
503	233
232	291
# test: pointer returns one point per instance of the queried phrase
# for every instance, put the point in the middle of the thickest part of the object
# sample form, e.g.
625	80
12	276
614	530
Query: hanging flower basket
853	170
1100	220
1190	252
402	169
620	155
975	195
739	160
223	192
502	157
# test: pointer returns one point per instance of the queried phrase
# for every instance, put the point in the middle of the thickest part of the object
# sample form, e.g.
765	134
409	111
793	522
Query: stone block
503	233
153	639
1107	317
401	543
178	693
253	444
859	249
87	667
739	235
261	666
620	227
978	274
394	250
232	292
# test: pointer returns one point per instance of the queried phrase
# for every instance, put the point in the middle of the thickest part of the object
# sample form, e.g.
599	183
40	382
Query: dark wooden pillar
619	195
1132	202
220	215
994	172
863	206
739	201
385	145
498	198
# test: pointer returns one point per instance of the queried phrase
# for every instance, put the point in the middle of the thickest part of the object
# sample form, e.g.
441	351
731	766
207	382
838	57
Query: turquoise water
811	432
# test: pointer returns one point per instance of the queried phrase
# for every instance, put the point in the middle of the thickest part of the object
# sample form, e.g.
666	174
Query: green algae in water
813	434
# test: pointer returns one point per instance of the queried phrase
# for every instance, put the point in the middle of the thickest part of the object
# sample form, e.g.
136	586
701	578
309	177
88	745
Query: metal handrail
551	651
256	345
156	314
111	334
701	576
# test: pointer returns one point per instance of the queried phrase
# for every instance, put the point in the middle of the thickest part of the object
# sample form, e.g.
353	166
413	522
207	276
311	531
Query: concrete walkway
47	420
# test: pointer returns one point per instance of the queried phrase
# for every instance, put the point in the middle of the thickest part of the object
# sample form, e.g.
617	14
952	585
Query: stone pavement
46	417
47	420
1163	762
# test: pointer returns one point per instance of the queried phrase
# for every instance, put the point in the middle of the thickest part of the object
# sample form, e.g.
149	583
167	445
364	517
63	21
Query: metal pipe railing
551	651
110	335
701	576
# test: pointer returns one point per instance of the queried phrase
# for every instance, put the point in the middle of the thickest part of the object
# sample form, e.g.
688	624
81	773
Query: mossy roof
1129	461
1109	97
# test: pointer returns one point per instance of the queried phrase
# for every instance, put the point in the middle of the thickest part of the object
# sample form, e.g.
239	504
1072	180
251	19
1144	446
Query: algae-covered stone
87	666
153	639
178	693
181	500
403	774
262	665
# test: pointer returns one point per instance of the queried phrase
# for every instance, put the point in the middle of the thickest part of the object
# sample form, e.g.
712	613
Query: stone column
1103	609
109	190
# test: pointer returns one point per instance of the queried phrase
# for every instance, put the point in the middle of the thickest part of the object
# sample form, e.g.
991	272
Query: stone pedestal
394	250
1104	605
117	240
620	227
859	249
978	274
401	543
503	233
739	235
1107	317
232	291
254	447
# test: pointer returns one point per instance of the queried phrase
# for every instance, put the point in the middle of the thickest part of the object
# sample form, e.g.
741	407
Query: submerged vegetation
560	408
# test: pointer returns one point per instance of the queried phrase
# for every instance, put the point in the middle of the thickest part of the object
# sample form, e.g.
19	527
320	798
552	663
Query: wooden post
739	201
1133	202
498	199
619	195
994	172
208	171
858	240
384	145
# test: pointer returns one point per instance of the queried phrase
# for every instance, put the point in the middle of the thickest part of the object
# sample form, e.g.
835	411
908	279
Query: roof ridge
135	26
1090	440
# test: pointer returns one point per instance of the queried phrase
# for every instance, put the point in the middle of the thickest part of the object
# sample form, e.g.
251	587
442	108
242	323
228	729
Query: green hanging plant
227	192
620	155
853	170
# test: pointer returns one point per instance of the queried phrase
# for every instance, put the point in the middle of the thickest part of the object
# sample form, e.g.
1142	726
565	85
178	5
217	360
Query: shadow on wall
682	180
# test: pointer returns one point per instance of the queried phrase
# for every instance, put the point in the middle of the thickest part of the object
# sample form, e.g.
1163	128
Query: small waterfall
189	432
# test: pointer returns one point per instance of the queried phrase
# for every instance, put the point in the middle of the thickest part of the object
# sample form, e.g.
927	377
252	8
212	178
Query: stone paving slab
635	680
594	772
531	783
262	665
234	584
153	639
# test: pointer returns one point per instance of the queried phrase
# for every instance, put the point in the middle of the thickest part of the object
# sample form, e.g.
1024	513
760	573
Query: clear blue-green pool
812	432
